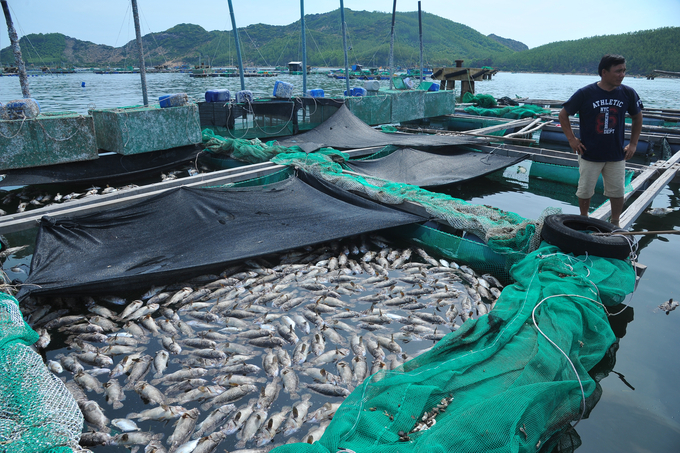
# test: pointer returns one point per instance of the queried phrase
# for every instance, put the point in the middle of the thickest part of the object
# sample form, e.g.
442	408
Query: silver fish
214	420
114	393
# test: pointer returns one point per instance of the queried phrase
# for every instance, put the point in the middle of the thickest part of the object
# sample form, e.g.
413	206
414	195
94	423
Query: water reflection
568	440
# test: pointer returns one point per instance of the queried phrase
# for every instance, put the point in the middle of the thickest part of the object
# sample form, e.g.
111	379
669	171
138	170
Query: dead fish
183	428
159	413
214	420
329	389
669	305
114	393
94	415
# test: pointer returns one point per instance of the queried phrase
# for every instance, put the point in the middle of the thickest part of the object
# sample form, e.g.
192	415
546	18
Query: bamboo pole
344	44
23	77
636	233
394	12
238	47
304	48
420	32
140	48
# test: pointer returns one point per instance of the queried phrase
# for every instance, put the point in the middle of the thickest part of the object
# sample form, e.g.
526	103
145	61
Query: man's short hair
608	61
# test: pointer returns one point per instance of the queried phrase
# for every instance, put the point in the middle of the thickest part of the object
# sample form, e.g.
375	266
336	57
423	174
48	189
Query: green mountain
368	38
509	43
368	41
644	51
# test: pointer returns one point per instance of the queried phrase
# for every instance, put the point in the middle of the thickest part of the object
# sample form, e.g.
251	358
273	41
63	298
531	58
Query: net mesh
38	413
506	233
510	381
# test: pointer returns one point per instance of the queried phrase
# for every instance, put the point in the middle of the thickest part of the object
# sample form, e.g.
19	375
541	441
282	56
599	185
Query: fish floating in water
248	357
669	305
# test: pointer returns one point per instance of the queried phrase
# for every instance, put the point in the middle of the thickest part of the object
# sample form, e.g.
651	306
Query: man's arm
635	130
574	142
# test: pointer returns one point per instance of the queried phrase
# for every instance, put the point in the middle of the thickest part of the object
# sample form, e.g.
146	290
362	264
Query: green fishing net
506	233
485	106
481	100
251	151
510	381
37	413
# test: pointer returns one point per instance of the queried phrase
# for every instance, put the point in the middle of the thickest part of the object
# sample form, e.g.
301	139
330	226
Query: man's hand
576	145
629	150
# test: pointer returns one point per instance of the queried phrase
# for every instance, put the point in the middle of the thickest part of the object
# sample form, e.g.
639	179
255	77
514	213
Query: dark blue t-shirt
602	116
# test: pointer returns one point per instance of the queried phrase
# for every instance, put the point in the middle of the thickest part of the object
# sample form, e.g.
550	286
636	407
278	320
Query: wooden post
466	86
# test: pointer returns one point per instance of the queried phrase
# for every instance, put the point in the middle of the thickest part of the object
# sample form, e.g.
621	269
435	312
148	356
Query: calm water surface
645	419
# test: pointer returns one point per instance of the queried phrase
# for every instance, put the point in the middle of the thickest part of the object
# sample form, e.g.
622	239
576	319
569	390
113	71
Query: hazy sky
533	22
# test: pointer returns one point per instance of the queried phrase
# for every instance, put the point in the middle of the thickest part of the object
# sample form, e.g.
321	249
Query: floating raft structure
47	139
139	129
263	118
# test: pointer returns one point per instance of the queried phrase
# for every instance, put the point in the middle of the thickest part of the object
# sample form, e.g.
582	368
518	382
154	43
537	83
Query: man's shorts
613	174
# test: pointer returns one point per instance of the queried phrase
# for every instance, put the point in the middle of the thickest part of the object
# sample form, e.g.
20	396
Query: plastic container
217	96
283	90
173	100
434	87
20	109
372	85
358	91
244	96
315	93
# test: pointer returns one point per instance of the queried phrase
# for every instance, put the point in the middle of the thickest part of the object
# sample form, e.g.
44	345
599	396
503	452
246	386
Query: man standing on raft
602	108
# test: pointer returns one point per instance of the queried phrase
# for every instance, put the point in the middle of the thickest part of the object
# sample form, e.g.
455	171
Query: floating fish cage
48	139
266	117
280	117
139	129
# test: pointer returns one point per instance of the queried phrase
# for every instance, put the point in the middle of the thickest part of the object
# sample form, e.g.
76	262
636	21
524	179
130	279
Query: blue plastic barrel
217	95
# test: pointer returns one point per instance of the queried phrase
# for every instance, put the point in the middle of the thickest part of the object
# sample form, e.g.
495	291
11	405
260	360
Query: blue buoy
82	84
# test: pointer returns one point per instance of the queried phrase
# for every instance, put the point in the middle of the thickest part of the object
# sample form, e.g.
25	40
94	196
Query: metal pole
304	48
142	66
344	43
420	30
23	77
238	47
394	12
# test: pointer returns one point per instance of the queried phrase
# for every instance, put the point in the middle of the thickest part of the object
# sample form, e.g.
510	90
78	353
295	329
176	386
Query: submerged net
37	413
510	381
506	233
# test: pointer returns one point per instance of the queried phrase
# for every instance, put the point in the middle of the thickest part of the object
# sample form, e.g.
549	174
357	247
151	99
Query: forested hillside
368	38
368	41
644	51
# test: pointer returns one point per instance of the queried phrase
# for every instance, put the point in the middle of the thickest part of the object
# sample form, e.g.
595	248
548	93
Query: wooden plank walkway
664	171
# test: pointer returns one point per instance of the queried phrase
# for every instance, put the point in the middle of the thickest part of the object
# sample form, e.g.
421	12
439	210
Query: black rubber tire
570	233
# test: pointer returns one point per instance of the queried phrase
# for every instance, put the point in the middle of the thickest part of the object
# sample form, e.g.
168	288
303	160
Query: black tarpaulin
428	169
187	231
344	130
107	169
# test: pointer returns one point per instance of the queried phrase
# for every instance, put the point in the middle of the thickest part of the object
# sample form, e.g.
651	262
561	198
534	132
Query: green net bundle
251	151
485	105
510	381
37	413
504	232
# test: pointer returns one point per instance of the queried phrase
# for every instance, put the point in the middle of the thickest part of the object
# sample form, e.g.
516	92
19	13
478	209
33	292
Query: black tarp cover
344	130
107	169
429	169
187	231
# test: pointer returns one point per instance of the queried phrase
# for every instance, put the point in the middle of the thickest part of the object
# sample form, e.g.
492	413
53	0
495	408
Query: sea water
645	417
